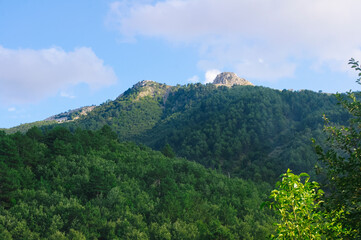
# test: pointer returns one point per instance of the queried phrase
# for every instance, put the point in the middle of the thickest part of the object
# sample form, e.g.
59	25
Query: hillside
71	114
88	185
23	128
251	132
134	111
242	130
246	131
131	114
96	174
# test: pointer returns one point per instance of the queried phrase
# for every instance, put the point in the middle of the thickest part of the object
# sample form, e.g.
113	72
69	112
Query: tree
297	205
342	159
298	202
168	151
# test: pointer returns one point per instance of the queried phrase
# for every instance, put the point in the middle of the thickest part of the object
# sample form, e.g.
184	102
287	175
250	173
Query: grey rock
229	79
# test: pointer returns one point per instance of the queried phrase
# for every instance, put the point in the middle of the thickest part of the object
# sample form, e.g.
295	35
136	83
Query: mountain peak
229	79
144	83
146	88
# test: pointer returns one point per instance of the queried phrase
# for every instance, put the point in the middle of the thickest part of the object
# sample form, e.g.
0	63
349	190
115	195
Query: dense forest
184	162
88	185
250	132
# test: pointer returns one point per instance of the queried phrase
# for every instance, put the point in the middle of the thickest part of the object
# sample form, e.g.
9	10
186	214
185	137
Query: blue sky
61	54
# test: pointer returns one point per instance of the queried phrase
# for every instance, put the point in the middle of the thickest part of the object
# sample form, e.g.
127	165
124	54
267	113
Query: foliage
342	161
168	151
132	113
75	180
250	132
85	184
298	203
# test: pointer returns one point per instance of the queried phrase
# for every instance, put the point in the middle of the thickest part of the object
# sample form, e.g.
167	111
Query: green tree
168	151
51	189
342	159
298	202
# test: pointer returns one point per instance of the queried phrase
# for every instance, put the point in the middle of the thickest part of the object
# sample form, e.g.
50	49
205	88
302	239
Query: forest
88	185
250	132
188	162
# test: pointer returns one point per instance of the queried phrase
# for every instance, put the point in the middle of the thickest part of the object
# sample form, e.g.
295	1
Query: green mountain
134	112
250	132
93	172
246	131
242	130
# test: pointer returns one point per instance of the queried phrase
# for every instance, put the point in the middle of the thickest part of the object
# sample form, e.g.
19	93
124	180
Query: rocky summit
229	79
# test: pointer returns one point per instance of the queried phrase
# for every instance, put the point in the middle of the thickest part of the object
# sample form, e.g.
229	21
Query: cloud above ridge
210	75
28	75
237	34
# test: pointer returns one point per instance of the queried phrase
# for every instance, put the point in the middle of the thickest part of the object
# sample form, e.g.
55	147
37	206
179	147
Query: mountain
131	114
141	89
242	130
94	174
245	131
145	97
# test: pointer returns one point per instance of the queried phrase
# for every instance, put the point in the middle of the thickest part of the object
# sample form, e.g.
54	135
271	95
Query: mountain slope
88	185
247	131
71	114
252	132
132	113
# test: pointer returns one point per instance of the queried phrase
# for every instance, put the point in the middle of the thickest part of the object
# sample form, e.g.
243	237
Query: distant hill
71	114
26	126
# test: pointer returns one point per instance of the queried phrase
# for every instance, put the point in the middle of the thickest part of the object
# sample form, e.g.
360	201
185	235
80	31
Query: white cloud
12	109
66	95
210	75
28	75
193	79
238	33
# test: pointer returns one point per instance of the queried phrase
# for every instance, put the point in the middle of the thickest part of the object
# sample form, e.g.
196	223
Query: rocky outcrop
144	83
229	79
146	88
71	114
